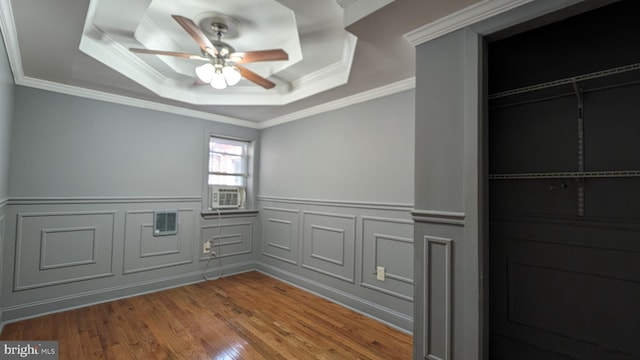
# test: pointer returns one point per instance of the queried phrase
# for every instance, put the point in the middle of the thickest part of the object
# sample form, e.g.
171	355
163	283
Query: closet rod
566	81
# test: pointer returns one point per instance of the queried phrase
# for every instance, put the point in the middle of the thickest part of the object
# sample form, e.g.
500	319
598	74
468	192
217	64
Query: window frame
244	174
247	181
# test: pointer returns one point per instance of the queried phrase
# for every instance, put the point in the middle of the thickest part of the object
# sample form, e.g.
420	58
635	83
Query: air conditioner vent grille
225	197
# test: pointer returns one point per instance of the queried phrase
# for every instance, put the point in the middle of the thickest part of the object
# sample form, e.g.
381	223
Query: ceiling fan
222	65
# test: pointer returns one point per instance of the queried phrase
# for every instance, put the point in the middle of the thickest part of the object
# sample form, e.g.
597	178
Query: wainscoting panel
144	251
437	252
2	227
60	253
388	243
328	244
228	239
280	234
333	247
2	246
61	247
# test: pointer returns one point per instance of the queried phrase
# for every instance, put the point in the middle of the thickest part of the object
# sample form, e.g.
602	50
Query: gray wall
335	200
448	182
85	179
336	193
450	214
360	153
6	119
70	146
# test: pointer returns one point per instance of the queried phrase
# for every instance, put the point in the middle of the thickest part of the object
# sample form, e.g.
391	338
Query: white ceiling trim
107	51
8	28
124	100
327	78
355	10
470	15
102	47
9	33
390	89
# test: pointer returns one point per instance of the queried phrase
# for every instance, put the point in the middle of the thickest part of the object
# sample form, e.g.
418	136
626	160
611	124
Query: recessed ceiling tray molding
252	24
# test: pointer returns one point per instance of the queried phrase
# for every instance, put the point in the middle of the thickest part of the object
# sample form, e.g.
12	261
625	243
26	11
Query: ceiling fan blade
197	34
260	55
169	53
251	76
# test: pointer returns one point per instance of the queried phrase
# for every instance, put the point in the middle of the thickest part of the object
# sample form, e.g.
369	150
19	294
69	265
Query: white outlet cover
380	272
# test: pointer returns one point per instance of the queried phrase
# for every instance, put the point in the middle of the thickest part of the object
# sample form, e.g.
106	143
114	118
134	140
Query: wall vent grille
165	222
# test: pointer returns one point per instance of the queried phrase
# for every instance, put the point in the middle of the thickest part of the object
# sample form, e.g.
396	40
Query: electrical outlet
206	247
380	273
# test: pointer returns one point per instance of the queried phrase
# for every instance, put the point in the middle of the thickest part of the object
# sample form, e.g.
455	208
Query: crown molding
8	30
106	46
9	33
124	100
327	78
390	89
470	15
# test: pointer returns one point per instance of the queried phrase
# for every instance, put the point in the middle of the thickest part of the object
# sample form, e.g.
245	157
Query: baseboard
377	312
34	309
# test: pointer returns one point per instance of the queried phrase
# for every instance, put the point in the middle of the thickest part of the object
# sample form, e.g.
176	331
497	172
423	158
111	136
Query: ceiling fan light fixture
218	81
221	68
231	75
205	72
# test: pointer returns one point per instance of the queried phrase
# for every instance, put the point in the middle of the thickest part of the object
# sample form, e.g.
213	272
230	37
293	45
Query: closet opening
564	188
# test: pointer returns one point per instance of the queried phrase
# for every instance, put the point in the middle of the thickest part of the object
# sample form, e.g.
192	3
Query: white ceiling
341	51
320	50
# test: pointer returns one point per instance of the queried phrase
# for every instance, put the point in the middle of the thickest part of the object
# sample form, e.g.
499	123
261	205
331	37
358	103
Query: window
227	162
227	177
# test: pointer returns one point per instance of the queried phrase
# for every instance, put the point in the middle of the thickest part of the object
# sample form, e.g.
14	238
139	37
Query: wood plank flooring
245	316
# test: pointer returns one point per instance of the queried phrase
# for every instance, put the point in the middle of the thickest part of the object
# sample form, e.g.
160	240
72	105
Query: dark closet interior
564	188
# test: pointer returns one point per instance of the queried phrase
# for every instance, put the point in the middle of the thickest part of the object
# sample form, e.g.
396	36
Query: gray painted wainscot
6	121
87	176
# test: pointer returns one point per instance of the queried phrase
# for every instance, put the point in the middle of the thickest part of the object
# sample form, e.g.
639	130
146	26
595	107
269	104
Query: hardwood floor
245	316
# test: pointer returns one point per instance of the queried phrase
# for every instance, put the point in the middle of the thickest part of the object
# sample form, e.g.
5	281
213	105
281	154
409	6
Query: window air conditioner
225	197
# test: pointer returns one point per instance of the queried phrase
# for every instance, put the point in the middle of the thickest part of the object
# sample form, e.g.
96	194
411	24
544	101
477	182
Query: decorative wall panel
62	247
55	245
280	234
329	244
437	253
144	251
228	239
388	243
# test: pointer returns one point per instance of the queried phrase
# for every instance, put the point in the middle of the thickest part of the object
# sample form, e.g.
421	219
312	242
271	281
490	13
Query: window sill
227	213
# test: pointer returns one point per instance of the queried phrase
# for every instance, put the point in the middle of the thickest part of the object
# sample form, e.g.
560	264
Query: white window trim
246	175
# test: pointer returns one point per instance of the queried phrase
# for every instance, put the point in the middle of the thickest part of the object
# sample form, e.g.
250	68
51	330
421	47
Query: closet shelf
599	80
567	175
